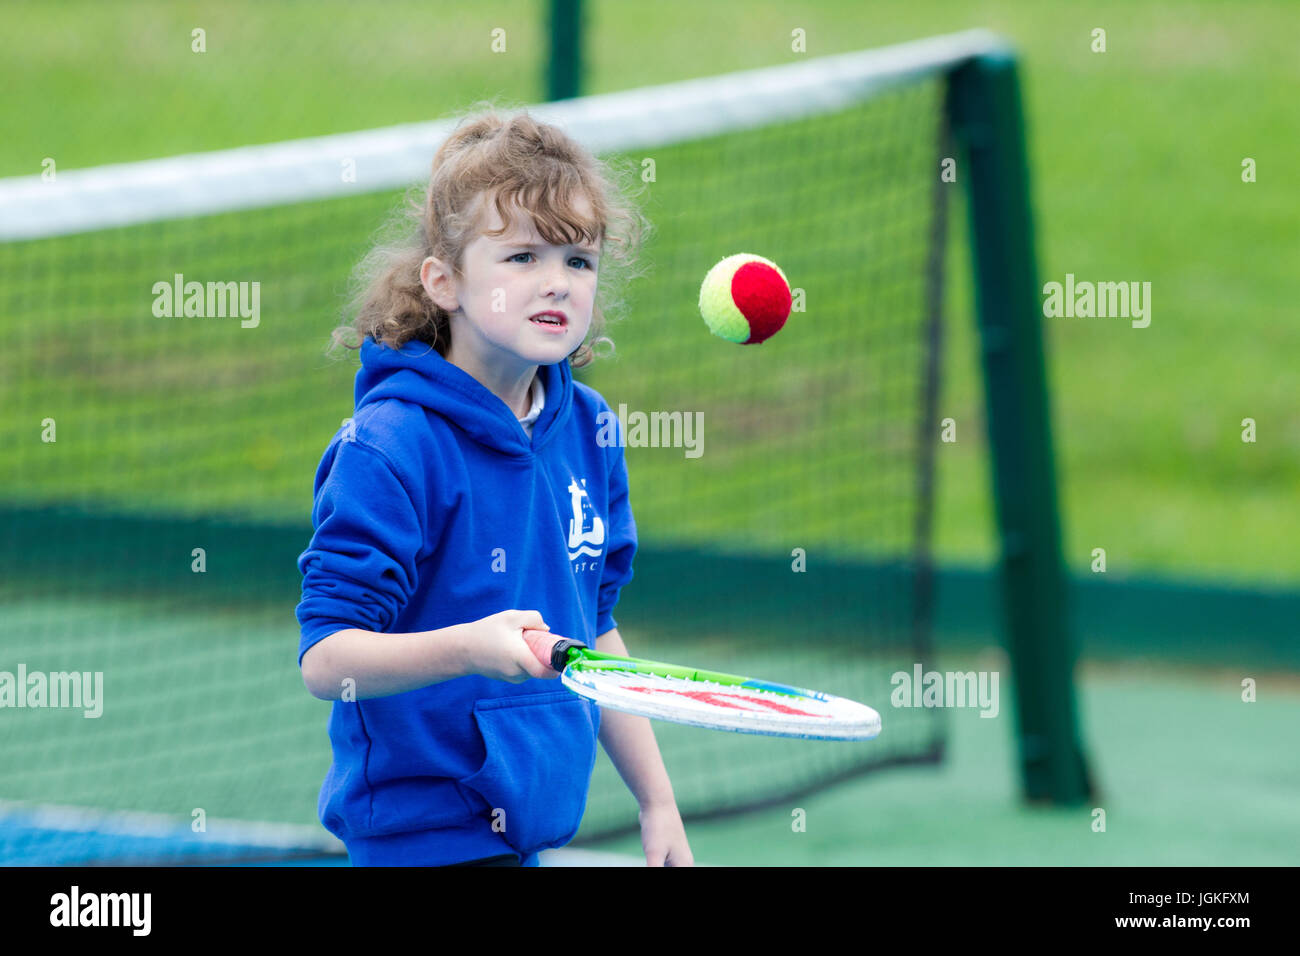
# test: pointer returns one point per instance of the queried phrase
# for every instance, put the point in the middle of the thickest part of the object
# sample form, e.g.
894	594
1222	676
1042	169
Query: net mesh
156	486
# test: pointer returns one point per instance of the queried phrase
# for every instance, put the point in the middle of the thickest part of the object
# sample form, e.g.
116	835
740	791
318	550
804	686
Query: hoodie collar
417	373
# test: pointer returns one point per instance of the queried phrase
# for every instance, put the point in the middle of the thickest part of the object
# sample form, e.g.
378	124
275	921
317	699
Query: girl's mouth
549	322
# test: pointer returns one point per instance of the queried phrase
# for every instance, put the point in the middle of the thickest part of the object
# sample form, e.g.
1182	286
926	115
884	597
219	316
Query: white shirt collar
539	401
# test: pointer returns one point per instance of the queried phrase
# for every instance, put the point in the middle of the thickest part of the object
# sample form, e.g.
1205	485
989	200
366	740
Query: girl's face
509	281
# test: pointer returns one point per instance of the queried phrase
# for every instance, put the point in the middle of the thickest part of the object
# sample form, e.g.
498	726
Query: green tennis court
1186	777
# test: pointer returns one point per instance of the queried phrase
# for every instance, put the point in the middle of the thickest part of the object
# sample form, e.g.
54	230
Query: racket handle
551	650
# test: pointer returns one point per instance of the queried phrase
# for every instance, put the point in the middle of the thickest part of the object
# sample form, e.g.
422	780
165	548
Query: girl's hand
495	647
663	838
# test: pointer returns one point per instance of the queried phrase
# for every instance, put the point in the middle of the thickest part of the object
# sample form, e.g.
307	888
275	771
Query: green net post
564	70
984	105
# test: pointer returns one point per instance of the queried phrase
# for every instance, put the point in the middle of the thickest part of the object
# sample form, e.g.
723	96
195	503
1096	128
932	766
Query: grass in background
1136	155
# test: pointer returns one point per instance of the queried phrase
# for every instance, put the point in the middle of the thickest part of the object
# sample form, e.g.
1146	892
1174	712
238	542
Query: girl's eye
585	262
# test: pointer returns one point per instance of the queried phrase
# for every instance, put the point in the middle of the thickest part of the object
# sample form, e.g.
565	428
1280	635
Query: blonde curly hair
509	160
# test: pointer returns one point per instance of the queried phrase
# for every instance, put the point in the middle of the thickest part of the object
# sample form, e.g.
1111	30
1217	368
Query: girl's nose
555	280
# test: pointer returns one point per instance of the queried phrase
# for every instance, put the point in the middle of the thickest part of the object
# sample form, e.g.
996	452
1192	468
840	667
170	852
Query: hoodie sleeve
360	569
621	541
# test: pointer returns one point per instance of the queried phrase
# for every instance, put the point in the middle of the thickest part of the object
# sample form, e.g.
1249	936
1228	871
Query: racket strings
735	707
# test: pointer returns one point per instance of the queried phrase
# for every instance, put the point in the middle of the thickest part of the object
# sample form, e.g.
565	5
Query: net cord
254	177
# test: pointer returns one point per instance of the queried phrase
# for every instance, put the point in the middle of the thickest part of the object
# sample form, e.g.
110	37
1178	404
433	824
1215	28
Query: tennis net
156	488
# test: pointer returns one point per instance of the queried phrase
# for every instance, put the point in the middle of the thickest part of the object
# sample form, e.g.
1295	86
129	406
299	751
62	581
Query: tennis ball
745	299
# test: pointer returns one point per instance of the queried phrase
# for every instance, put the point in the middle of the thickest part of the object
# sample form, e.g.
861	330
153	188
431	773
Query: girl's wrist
658	804
455	644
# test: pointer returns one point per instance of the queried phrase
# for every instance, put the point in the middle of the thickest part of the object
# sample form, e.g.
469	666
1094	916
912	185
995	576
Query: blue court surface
68	836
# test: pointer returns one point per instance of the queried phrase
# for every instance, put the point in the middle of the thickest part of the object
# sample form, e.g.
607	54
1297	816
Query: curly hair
509	161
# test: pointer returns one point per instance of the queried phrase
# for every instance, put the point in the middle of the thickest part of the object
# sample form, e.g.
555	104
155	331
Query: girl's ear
436	277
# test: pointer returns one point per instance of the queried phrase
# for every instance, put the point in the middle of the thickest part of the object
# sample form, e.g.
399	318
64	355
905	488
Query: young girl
468	484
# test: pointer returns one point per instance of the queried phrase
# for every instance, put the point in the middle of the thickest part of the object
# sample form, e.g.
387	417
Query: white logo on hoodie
585	527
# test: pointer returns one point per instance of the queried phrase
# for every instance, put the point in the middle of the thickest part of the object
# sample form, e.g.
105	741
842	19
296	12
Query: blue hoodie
433	507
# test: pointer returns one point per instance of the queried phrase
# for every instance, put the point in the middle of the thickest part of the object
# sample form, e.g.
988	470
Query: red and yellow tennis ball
745	299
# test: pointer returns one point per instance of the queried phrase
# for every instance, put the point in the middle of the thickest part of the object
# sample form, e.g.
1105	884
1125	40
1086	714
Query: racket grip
553	655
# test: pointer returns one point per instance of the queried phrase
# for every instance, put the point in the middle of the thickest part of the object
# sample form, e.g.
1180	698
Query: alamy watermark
1102	300
213	300
652	430
128	910
57	689
923	688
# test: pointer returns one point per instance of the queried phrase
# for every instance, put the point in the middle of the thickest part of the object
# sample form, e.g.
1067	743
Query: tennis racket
687	695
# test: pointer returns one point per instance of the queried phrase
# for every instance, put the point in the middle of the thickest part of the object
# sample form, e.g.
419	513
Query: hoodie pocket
541	749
